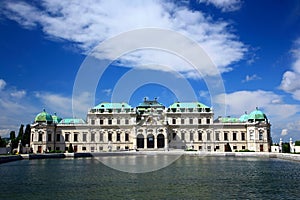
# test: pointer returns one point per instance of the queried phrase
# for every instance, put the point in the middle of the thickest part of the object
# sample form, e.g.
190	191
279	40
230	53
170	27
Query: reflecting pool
189	177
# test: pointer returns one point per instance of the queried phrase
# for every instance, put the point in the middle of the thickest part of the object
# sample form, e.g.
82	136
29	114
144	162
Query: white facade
151	126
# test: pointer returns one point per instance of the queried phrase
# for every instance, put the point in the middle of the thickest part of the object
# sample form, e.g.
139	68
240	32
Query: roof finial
145	98
256	107
44	110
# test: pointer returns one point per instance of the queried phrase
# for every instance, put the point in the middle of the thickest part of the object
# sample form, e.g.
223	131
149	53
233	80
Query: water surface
189	177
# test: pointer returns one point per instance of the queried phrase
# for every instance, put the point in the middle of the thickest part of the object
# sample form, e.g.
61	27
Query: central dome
257	115
44	117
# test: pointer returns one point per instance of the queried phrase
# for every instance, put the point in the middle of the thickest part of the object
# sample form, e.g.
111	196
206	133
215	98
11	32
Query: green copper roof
43	117
56	119
188	105
229	120
72	121
244	117
112	106
150	103
257	115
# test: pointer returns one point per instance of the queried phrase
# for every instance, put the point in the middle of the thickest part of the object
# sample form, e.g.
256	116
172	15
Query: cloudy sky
254	45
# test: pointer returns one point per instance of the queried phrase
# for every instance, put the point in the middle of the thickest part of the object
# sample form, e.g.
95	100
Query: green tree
70	149
12	135
14	140
26	135
297	143
2	142
285	148
21	132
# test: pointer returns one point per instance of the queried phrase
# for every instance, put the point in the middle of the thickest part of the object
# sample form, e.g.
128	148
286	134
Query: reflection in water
138	163
189	177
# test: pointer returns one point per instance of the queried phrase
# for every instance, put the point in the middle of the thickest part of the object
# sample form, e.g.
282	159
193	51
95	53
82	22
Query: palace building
151	126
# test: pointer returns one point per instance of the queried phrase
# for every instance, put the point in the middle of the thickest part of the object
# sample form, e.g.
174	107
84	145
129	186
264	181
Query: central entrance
150	141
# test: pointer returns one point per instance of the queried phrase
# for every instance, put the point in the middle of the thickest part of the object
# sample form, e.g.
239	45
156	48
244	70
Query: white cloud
18	94
284	132
63	105
224	5
290	81
107	91
87	23
2	84
251	78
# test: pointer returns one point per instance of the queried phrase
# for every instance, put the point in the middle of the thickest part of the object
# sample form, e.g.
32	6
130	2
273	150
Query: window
66	148
200	148
217	147
109	121
67	137
101	121
84	137
182	136
49	138
126	121
31	137
75	137
101	148
191	136
191	121
261	135
173	121
199	121
199	135
225	136
208	148
251	135
92	149
208	121
208	136
126	137
243	136
58	137
110	137
57	148
234	147
118	148
101	137
243	147
118	121
93	137
234	136
92	121
126	147
182	121
217	136
118	137
40	137
83	148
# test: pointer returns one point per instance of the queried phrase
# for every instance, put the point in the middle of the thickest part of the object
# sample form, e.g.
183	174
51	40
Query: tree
285	148
26	135
13	139
2	142
70	149
12	135
21	132
297	143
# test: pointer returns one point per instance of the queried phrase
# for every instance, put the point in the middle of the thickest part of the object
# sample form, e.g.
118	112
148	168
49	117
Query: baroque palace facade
151	126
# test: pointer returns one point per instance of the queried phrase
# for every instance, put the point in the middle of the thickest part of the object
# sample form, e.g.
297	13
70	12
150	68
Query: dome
244	117
44	117
56	119
257	115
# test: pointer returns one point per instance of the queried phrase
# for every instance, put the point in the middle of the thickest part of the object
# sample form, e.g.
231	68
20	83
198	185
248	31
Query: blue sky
254	44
